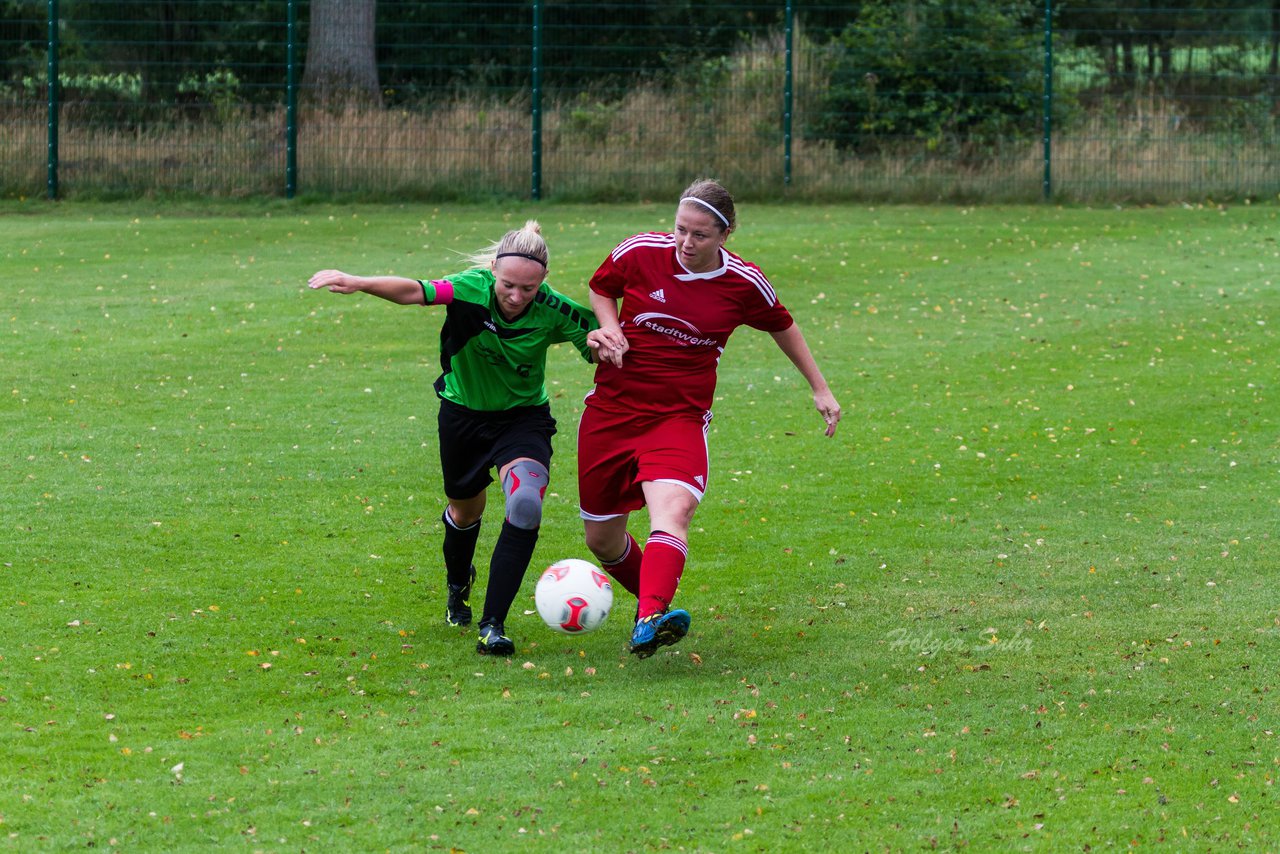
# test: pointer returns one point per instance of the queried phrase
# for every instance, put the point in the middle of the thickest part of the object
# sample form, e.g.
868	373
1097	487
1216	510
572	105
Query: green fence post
291	104
1047	119
788	96
51	179
536	117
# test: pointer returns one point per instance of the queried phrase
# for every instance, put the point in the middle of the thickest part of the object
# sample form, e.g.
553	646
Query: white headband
708	206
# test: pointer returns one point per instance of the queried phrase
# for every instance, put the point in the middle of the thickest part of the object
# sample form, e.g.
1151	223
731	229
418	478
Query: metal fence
911	100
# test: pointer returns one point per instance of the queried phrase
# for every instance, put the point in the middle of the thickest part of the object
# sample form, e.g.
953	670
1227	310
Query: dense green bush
949	74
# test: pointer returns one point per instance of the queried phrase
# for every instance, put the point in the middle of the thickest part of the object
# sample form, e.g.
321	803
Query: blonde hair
526	242
708	193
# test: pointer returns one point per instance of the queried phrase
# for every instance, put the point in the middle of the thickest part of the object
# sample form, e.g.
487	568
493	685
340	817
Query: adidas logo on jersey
701	481
658	295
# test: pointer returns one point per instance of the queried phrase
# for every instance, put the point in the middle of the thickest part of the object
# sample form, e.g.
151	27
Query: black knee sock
511	556
459	550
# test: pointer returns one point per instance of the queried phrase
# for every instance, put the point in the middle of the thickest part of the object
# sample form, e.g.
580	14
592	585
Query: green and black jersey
489	363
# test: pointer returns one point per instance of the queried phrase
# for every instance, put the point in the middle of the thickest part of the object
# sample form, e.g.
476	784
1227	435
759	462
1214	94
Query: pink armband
444	292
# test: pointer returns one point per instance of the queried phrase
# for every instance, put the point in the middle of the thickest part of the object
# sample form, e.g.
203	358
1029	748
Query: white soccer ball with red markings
573	596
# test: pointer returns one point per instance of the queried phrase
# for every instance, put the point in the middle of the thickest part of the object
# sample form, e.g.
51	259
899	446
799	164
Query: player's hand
334	281
825	401
609	345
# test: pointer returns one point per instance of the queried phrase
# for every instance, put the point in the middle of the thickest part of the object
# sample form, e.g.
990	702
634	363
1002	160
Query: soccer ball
573	597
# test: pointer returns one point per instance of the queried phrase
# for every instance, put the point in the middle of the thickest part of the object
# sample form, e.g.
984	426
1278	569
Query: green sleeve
575	320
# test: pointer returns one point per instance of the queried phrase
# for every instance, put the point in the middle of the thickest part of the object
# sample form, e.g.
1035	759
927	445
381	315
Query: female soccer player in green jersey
500	318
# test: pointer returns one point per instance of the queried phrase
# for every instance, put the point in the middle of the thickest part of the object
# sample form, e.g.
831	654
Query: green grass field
1022	601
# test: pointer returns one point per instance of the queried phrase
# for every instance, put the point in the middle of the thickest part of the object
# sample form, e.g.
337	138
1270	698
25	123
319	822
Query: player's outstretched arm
791	342
391	288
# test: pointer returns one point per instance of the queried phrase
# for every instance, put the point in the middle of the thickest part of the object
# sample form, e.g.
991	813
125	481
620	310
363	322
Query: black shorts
473	442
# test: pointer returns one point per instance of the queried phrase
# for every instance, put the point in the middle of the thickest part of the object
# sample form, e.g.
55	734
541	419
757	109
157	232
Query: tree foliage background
935	71
964	78
429	43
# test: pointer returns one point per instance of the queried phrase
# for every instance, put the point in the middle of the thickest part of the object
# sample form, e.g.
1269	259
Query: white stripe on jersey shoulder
753	275
653	239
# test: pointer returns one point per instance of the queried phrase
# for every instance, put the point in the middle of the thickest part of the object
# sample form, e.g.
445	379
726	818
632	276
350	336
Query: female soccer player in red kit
642	440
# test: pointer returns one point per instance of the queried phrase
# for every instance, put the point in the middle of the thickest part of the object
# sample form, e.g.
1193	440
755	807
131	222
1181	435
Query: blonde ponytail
524	242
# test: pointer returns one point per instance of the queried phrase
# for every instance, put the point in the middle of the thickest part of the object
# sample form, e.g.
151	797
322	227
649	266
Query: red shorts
619	452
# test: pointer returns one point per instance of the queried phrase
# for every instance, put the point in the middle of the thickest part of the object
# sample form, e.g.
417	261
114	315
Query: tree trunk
1130	68
1166	60
1273	68
1275	42
341	65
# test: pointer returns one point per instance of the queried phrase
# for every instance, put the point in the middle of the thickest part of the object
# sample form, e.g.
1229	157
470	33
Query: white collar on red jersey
690	276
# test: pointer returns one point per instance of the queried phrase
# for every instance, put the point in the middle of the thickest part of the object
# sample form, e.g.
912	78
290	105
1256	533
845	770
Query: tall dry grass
240	157
641	143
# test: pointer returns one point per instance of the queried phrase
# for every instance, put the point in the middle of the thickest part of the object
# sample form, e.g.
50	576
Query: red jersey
677	324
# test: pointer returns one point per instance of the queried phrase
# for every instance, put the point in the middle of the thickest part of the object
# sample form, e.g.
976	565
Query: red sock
664	557
626	568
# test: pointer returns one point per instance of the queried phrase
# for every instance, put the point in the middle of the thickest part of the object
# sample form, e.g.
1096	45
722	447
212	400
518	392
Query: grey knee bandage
524	484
